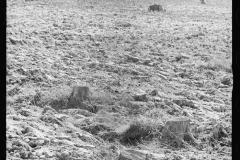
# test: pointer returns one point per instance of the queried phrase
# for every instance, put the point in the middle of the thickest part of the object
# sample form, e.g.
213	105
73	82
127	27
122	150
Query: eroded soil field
142	68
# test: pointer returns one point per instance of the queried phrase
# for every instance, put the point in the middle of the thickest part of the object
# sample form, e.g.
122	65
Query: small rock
24	155
157	99
166	151
177	157
13	41
140	96
226	81
147	61
154	92
33	144
132	58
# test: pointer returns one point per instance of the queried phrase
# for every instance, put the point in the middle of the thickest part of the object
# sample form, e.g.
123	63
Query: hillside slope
142	68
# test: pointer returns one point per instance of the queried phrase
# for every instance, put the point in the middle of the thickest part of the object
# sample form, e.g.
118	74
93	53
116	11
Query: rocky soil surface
143	68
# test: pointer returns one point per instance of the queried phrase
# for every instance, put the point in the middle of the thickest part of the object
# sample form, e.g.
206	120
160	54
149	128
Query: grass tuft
141	129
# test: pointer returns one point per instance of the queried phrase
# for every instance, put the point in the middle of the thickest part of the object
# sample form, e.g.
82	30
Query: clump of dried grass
125	99
140	129
101	97
215	64
56	97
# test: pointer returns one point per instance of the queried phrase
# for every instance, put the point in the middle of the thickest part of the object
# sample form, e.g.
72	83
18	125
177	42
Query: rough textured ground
179	61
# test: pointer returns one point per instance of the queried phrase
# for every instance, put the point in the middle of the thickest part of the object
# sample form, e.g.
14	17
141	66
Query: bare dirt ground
142	67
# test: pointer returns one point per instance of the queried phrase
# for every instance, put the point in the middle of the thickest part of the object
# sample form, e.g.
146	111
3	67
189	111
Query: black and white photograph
119	79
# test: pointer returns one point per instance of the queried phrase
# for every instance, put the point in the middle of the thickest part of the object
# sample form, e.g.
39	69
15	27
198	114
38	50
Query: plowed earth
119	50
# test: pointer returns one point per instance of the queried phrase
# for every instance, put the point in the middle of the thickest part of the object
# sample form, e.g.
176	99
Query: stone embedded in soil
132	58
14	41
140	96
154	92
226	80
